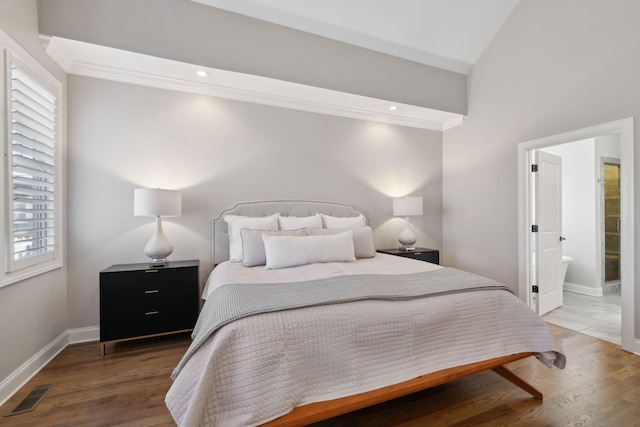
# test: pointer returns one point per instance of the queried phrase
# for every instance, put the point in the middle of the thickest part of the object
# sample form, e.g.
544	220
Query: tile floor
598	317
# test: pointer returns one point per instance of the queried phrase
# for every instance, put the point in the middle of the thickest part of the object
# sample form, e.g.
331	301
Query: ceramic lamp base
407	238
159	247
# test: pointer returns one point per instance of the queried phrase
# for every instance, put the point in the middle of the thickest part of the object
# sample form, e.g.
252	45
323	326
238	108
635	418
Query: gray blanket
235	301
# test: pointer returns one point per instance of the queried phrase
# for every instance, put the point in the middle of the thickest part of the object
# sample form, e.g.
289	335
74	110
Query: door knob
562	238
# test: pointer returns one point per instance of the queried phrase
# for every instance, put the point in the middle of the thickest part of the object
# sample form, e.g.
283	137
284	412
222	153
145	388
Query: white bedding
258	368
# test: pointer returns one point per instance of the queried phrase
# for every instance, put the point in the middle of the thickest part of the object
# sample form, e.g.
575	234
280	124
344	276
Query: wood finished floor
599	387
599	317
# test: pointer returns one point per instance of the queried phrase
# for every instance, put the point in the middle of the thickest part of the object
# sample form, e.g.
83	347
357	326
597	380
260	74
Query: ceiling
448	34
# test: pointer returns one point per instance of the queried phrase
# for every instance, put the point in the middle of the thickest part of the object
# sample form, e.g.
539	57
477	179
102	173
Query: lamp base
159	262
158	248
407	238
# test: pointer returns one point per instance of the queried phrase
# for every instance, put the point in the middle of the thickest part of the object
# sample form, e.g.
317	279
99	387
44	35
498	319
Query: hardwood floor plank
599	387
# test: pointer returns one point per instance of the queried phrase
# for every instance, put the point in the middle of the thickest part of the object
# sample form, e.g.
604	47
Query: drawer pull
153	291
151	271
149	313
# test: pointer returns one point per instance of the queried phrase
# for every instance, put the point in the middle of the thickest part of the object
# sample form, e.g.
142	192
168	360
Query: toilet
565	264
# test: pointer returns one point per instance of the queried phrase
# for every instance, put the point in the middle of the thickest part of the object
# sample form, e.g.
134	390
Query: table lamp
406	207
158	203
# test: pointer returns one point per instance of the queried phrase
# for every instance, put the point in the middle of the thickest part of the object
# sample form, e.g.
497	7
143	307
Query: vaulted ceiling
448	34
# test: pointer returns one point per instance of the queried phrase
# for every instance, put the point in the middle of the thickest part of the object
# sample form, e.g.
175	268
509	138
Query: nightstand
137	301
422	254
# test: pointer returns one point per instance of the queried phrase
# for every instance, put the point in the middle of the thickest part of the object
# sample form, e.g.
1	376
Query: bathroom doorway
623	131
590	223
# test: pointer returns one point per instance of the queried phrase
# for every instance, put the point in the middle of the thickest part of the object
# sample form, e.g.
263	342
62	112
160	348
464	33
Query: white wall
579	203
553	67
220	152
32	312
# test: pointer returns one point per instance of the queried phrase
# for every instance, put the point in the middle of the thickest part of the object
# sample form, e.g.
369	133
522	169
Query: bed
304	321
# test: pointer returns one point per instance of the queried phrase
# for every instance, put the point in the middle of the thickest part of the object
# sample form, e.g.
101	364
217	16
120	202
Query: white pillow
253	247
343	222
362	239
237	223
290	251
298	222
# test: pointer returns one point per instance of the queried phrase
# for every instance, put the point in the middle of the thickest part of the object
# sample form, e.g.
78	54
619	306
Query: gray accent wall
218	153
194	33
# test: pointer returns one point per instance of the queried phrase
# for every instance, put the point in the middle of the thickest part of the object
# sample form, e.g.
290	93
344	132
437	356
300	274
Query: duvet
270	340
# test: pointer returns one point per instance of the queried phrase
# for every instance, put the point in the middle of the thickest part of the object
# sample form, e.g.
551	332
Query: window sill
28	273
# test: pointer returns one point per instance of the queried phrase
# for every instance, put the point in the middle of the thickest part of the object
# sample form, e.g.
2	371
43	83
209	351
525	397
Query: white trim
89	60
625	129
636	347
581	289
14	382
82	335
26	273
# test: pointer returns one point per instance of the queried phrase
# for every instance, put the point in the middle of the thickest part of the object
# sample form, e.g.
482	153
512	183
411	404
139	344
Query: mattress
260	367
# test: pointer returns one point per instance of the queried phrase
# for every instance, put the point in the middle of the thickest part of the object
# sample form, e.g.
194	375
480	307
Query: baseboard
581	289
24	373
10	385
80	335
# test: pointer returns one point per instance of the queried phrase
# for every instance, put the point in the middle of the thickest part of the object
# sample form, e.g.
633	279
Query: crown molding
89	60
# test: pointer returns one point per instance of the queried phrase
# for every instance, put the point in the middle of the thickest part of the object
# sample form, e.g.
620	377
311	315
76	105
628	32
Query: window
32	167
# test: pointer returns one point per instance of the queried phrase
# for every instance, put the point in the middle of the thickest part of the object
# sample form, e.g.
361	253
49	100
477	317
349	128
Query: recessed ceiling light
393	108
202	73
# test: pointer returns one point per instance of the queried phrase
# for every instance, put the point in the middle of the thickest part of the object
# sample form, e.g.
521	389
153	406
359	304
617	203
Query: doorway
526	278
590	205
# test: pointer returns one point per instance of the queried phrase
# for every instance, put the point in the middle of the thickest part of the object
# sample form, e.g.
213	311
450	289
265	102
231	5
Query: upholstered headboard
220	236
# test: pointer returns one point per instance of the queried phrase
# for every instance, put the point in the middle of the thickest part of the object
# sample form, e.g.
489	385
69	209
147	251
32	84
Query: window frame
13	271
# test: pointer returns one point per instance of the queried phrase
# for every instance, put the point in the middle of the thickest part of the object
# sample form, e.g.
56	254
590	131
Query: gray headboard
220	236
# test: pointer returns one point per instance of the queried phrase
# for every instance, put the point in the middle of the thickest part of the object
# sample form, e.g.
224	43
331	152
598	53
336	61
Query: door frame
624	128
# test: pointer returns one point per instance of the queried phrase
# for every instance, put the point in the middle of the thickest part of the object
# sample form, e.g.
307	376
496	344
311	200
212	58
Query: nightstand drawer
151	323
150	300
130	282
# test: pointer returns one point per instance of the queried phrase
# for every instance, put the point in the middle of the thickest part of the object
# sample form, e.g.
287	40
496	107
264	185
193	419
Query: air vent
31	401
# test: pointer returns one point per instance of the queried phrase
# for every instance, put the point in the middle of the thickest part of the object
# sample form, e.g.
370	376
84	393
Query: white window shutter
32	166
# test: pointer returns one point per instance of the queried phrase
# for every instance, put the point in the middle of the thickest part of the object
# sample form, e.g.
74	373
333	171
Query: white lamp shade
407	206
156	202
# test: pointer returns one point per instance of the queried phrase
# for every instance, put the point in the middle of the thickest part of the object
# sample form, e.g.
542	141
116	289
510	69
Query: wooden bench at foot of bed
314	412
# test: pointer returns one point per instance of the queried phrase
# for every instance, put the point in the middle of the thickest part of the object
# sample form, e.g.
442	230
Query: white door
549	220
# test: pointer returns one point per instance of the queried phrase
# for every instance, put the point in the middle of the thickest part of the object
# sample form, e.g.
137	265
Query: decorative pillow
237	223
343	222
290	251
298	222
362	239
253	246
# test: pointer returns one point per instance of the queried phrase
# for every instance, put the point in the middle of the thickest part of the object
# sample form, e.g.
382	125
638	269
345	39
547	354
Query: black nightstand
137	301
422	254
